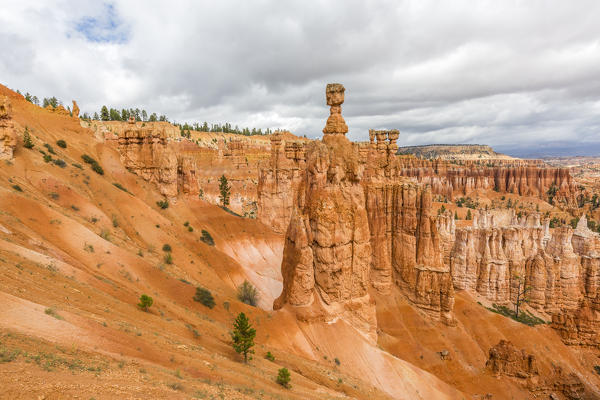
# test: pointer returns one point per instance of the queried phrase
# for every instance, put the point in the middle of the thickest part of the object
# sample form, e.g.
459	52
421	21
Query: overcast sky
512	74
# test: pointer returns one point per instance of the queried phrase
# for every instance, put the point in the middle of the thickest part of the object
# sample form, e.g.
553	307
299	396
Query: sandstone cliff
8	137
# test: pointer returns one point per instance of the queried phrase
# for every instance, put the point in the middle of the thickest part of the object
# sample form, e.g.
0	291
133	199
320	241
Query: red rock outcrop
505	359
144	152
75	110
8	138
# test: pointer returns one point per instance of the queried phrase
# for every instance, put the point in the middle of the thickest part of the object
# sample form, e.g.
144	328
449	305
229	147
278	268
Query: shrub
17	188
47	158
145	302
77	165
207	238
61	143
98	169
60	163
119	186
190	229
166	247
168	259
337	361
205	297
597	369
50	149
163	204
269	356
88	160
283	378
247	294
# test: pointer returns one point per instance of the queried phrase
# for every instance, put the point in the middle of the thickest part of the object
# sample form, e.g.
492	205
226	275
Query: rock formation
506	359
144	152
324	194
8	138
335	97
327	254
75	110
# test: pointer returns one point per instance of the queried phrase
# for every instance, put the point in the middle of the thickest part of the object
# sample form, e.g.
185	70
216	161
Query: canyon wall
190	166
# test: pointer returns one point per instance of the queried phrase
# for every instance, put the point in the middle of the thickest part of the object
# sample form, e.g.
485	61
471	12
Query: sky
522	76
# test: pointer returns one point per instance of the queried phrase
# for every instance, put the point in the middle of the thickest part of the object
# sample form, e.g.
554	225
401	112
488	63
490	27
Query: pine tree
243	336
225	190
27	142
455	215
469	216
104	115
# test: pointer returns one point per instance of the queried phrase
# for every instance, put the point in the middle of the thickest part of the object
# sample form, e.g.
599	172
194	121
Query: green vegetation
205	297
469	216
17	188
49	148
52	312
247	294
167	247
93	163
168	259
61	143
145	302
27	141
119	186
207	238
337	361
525	317
243	336
225	191
467	202
597	369
283	378
60	163
551	193
269	356
162	204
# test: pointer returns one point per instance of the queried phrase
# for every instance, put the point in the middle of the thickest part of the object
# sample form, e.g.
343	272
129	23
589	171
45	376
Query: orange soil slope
76	253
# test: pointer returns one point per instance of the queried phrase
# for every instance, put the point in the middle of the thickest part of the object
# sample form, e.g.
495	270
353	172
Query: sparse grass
89	248
105	234
7	355
52	312
77	165
119	186
168	259
525	317
176	386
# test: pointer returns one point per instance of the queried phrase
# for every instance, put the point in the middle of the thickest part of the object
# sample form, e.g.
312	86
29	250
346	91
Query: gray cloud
508	74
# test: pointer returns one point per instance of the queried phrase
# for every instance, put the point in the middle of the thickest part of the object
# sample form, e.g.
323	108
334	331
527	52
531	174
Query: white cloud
503	73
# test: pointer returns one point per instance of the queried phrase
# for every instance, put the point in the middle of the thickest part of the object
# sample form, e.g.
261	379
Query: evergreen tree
27	142
145	302
152	117
124	115
225	190
455	215
243	336
96	117
144	116
469	216
283	377
104	115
